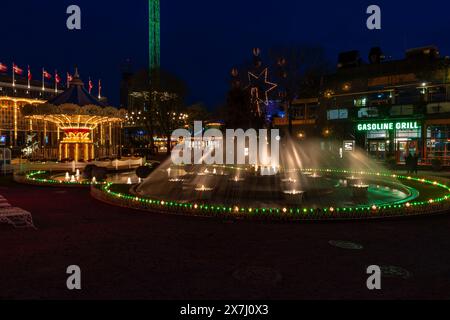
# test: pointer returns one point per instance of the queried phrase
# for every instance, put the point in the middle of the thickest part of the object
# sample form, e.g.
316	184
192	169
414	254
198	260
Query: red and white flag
3	68
17	70
69	79
46	74
91	86
29	77
99	89
57	78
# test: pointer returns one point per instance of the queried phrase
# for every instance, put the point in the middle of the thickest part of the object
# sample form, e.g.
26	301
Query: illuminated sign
349	146
2	140
380	126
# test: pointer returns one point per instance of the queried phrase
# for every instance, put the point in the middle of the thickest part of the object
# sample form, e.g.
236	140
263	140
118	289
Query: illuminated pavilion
86	128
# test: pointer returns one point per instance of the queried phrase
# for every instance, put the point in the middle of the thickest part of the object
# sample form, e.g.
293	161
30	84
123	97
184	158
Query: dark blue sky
202	40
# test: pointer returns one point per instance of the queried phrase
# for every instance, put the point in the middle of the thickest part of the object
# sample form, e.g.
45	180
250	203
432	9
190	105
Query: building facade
15	130
390	109
31	128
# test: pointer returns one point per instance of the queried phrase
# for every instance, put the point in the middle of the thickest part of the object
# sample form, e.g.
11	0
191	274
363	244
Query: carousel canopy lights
74	108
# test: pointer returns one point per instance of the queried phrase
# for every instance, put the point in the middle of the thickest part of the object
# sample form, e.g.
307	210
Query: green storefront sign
380	126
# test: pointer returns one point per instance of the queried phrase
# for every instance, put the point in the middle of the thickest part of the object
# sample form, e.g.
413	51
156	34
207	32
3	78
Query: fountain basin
360	191
293	197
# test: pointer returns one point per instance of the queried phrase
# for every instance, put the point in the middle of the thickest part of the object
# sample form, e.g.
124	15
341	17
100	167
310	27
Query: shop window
438	144
436	94
360	102
337	114
377	135
368	113
409	134
312	111
438	108
402	110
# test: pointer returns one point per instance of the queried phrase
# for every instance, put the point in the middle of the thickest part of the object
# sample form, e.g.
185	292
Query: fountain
293	197
314	175
237	179
360	191
308	179
351	181
204	193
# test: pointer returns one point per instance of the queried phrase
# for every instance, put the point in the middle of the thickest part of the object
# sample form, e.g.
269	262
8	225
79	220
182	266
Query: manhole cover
345	245
258	275
395	272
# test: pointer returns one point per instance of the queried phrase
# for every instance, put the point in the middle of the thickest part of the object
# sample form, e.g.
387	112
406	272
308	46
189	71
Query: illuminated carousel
86	127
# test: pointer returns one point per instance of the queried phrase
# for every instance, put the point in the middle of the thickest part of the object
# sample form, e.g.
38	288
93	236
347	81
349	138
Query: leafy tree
161	99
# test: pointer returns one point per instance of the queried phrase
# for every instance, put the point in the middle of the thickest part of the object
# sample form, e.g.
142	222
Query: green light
390	126
154	34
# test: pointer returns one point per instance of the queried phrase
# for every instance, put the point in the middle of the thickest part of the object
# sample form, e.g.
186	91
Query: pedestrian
416	163
409	163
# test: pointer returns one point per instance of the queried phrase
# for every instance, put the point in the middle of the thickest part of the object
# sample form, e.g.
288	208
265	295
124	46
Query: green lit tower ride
154	32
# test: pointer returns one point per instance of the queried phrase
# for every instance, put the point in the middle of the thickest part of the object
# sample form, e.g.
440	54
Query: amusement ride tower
155	36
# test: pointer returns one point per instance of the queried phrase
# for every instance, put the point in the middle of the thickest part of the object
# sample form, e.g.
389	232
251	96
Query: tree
160	99
170	114
301	69
198	112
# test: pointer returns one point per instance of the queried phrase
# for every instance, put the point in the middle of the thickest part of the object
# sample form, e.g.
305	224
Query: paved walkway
129	254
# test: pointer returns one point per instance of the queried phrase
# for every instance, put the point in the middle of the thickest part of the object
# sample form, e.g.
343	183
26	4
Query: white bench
17	217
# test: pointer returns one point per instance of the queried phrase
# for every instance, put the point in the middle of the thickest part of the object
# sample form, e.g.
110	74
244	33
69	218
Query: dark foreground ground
126	254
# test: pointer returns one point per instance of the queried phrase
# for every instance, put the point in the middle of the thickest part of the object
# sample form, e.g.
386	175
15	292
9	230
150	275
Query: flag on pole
46	74
29	77
3	68
69	79
99	89
91	86
57	80
17	70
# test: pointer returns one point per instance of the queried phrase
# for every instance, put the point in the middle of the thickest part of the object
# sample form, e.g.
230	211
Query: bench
17	217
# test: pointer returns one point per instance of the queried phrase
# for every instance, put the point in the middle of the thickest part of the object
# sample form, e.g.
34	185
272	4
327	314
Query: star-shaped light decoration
261	82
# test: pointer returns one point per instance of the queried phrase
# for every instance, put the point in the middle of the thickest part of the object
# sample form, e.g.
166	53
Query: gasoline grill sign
414	125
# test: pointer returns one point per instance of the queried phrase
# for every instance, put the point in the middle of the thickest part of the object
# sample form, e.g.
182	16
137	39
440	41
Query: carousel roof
76	94
75	107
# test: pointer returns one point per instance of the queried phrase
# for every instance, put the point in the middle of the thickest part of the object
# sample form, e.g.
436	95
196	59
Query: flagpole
43	80
28	76
99	89
13	76
56	81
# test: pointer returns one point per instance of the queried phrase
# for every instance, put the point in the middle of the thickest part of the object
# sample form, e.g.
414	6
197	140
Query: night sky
202	40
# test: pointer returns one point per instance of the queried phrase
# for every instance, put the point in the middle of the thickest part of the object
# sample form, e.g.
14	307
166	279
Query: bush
143	171
100	173
87	173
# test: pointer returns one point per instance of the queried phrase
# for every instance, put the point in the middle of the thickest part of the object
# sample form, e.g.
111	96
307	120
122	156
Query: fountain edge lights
294	213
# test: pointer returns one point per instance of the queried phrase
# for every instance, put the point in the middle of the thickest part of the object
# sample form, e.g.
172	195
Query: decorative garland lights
434	205
40	177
